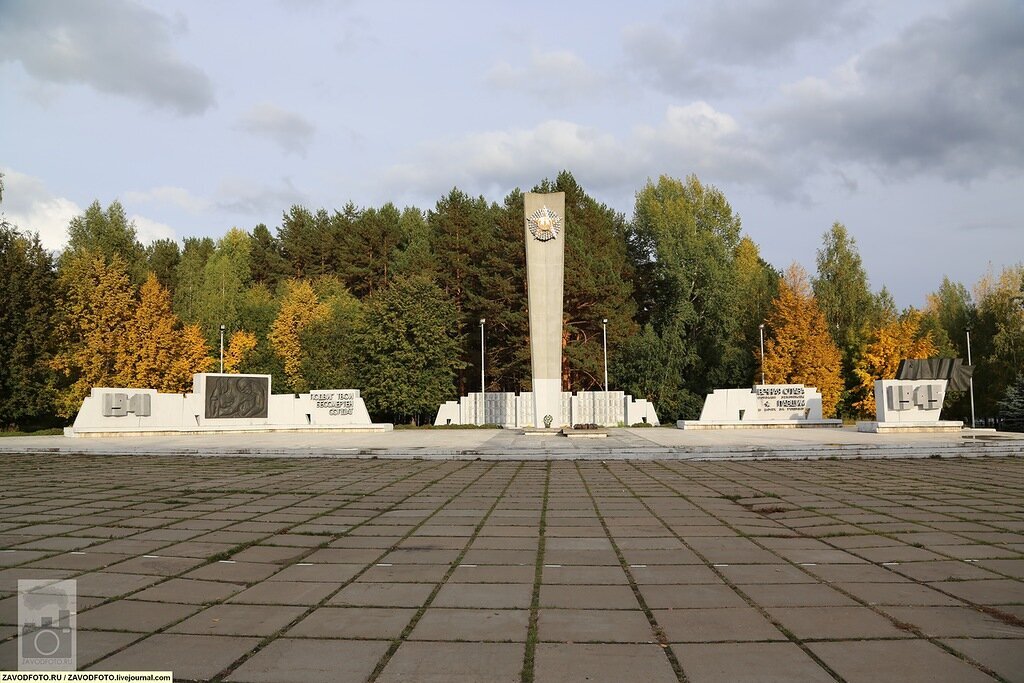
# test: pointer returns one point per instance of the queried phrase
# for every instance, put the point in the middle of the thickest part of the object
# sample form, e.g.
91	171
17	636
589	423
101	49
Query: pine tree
890	343
162	259
28	290
799	348
372	245
1011	407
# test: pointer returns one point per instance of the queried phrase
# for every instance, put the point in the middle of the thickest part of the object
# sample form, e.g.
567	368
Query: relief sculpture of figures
236	397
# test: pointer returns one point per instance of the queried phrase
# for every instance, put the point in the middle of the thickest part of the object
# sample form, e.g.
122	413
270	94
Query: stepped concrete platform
510	444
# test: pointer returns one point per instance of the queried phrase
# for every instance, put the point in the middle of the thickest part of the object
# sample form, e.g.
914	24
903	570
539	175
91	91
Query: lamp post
760	328
604	328
483	402
968	330
222	349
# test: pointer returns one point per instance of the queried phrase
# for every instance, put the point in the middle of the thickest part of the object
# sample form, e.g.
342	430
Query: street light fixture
760	329
604	328
483	387
222	349
968	330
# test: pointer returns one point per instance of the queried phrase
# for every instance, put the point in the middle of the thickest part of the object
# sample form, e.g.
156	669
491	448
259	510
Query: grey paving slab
288	660
718	624
600	626
748	663
285	593
383	595
187	656
588	597
446	662
908	661
189	591
1005	657
602	663
502	596
351	622
956	622
239	620
133	615
835	622
472	625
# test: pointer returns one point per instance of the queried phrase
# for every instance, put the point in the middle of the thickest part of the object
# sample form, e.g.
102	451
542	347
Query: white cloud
557	77
692	138
147	230
114	46
29	205
167	195
508	158
289	130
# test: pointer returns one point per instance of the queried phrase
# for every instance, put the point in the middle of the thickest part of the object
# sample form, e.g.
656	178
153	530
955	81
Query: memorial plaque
781	401
237	397
334	403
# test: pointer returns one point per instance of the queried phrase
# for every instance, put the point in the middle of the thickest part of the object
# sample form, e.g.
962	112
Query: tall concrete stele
545	278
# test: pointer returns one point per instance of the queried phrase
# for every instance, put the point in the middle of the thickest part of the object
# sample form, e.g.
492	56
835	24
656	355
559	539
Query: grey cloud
700	50
255	198
944	97
289	130
115	46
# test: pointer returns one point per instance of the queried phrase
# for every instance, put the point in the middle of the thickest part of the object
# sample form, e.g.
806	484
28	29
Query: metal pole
972	378
604	326
222	349
761	330
483	388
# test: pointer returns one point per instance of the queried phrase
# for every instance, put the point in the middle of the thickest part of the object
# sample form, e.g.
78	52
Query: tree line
389	300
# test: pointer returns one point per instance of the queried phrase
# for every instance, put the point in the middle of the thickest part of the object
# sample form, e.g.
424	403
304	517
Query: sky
902	120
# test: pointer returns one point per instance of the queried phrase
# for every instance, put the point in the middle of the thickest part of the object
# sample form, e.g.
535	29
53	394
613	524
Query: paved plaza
339	569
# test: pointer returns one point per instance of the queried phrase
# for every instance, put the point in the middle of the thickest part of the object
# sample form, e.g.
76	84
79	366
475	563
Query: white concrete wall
177	412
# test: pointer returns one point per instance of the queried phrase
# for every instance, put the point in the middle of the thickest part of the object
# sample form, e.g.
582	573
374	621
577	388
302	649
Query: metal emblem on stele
544	224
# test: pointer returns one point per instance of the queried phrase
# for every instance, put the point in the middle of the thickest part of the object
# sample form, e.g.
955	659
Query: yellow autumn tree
240	345
300	306
799	348
193	356
156	353
891	342
93	316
